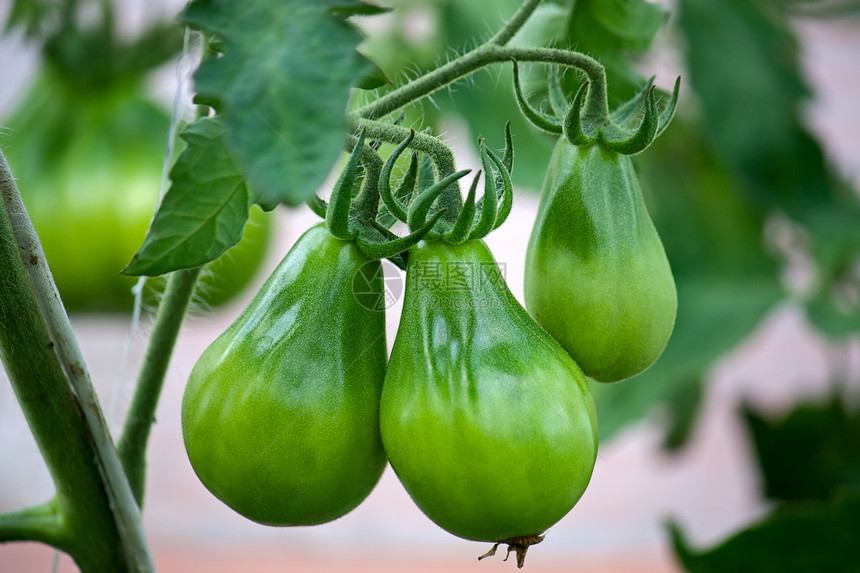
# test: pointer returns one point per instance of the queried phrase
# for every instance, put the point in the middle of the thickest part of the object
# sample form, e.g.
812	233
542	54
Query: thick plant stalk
36	324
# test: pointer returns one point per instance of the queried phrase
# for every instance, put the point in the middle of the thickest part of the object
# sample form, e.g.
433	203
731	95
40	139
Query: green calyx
473	219
364	203
351	215
620	131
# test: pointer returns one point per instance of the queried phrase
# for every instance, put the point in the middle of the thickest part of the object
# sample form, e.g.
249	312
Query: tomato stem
135	433
510	29
99	518
366	204
443	157
596	106
38	523
60	364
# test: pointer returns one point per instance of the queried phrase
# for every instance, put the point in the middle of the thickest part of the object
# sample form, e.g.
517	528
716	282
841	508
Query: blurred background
743	436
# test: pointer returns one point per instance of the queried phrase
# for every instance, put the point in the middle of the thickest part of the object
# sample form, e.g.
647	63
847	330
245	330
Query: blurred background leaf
799	538
615	31
726	281
87	144
812	453
742	59
712	182
809	462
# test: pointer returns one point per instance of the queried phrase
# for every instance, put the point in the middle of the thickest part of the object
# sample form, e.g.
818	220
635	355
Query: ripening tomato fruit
597	277
281	413
487	421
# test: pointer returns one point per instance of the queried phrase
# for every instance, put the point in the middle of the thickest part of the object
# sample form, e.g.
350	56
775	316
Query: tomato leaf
796	538
203	213
809	454
348	8
375	78
834	307
685	403
282	86
155	46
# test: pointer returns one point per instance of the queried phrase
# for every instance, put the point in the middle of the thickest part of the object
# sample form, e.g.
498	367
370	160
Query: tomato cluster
482	409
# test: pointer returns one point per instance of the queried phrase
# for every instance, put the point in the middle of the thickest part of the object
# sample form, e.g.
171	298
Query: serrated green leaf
203	213
282	85
811	453
796	538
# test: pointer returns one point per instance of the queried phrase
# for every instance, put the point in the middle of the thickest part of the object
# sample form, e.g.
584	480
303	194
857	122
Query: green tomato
281	413
597	277
89	169
486	420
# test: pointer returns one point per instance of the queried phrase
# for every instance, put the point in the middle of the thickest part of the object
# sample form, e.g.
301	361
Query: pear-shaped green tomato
281	413
597	277
486	420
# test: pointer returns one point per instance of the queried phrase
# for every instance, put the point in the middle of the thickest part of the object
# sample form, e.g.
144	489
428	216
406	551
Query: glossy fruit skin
281	413
89	170
486	420
597	277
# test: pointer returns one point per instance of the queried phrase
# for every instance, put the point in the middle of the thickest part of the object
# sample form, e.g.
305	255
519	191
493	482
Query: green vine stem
37	523
442	156
491	52
98	521
138	423
596	105
510	29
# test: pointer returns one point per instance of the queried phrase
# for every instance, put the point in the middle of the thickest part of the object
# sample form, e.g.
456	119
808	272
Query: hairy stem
596	105
516	22
150	380
451	200
442	156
